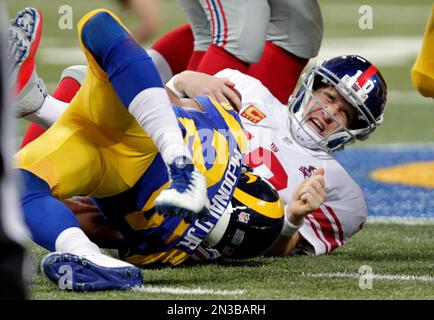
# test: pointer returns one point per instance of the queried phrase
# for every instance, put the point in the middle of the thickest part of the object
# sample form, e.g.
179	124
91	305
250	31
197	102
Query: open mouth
316	124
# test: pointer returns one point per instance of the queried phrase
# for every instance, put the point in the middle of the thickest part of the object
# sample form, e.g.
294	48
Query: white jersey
275	156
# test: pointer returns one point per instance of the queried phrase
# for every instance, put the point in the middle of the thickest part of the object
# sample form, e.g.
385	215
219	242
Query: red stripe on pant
225	25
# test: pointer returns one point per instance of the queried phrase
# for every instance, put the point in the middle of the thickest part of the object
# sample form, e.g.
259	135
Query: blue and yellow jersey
217	141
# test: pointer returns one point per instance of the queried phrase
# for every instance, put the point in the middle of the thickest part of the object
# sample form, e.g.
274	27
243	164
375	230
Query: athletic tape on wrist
171	85
288	228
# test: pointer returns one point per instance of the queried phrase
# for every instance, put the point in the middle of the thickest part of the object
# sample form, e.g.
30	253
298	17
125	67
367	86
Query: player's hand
222	90
307	197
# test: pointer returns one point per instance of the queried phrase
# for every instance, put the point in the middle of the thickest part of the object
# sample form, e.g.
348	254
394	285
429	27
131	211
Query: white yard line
384	51
390	277
410	221
181	290
61	56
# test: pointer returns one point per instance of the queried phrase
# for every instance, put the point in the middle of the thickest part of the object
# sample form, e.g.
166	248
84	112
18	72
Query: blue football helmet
358	82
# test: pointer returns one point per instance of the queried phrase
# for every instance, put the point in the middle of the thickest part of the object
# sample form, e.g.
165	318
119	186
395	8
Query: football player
98	147
269	40
341	100
288	156
250	225
142	95
287	148
422	73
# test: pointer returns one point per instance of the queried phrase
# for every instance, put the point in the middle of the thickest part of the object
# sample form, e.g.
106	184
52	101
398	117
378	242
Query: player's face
339	111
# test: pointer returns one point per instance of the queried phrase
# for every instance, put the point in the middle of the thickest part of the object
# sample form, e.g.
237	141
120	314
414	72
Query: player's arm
306	198
191	84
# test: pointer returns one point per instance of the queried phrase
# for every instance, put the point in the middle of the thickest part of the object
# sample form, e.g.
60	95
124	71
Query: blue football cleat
90	273
187	195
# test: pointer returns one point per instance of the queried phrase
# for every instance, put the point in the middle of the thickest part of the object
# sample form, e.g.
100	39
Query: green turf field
396	252
392	251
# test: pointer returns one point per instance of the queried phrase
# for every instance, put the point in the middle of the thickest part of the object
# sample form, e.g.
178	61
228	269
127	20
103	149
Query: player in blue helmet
340	101
358	84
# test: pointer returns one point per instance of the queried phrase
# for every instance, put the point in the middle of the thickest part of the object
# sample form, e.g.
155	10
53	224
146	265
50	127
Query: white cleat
187	195
24	37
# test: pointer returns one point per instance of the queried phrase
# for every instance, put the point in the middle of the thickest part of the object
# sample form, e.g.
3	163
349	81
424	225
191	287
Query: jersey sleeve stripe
329	231
317	230
333	225
338	224
325	229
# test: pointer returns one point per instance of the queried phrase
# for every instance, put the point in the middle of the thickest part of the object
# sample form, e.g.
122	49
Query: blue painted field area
389	200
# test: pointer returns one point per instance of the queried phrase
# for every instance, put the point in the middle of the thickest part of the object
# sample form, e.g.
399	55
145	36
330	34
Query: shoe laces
17	46
26	23
183	179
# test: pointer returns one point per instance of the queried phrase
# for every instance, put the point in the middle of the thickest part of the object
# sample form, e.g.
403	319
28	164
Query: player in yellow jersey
422	73
100	148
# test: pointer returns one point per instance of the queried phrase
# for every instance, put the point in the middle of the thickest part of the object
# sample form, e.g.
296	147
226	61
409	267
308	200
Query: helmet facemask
305	102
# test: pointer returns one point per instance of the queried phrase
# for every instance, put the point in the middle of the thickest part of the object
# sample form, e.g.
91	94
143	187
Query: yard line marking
410	221
383	51
391	277
181	290
61	56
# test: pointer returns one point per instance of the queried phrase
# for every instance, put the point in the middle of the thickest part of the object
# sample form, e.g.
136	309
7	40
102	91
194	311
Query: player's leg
294	36
46	172
47	177
136	82
54	227
201	30
31	101
69	84
422	73
238	29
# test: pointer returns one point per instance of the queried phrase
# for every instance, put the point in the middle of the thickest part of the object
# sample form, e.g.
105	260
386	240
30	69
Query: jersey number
261	156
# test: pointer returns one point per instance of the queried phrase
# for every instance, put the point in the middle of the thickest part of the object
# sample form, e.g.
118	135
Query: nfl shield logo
244	217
